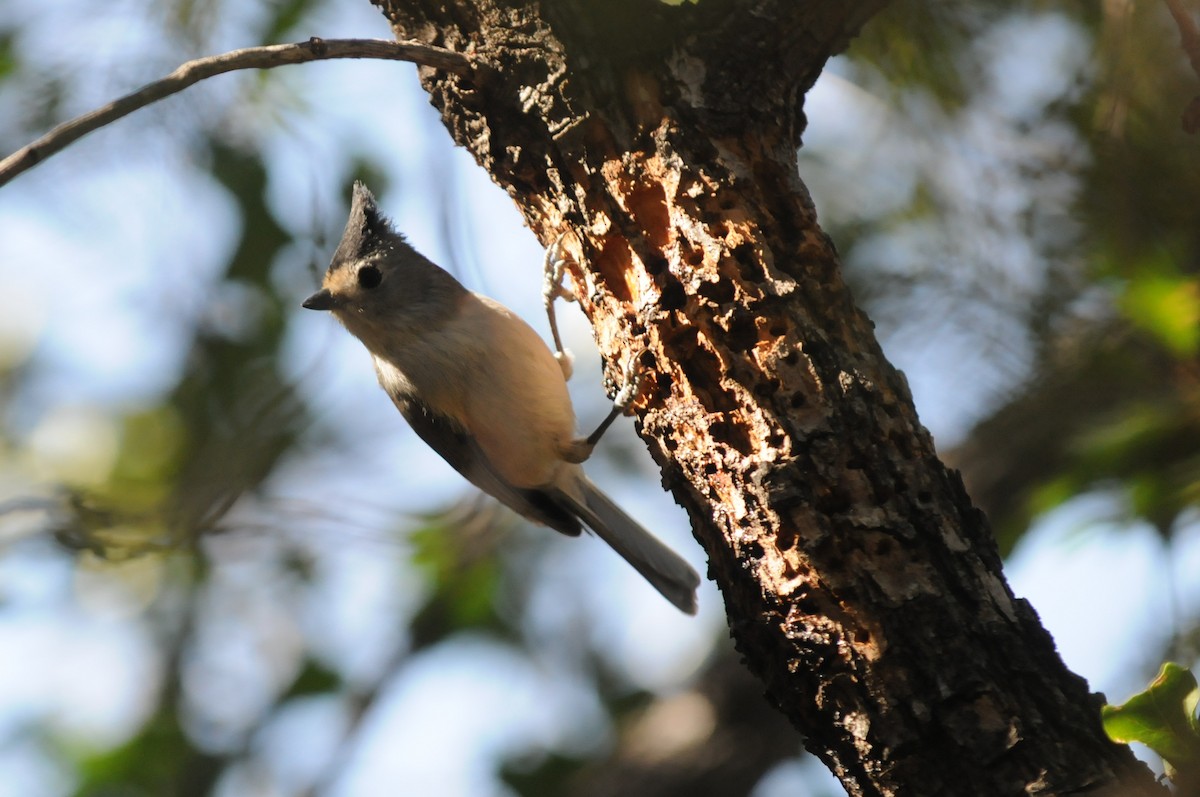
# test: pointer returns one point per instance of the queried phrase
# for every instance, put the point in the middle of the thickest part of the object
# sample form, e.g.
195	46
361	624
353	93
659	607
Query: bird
482	389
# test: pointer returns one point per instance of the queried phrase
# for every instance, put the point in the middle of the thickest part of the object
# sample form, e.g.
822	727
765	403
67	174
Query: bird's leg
631	383
554	267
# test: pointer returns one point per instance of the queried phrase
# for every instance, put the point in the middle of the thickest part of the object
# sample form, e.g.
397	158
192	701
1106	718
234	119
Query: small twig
193	72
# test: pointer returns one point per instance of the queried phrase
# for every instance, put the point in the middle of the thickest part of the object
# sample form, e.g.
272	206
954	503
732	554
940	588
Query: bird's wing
458	447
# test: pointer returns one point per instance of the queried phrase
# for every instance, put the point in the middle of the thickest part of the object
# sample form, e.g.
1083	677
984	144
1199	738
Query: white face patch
391	378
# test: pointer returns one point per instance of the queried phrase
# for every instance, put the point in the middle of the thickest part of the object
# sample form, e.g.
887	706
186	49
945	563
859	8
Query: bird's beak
321	300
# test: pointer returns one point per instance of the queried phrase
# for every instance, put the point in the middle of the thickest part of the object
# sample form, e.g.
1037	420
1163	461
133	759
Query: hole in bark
720	292
834	502
647	204
656	264
732	434
777	330
747	263
613	262
798	400
670	443
703	371
695	257
753	550
700	365
785	539
709	469
924	497
818	351
665	383
767	388
862	636
807	605
743	332
791	358
673	297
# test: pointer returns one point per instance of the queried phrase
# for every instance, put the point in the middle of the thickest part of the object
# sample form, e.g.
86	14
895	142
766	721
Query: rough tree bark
861	585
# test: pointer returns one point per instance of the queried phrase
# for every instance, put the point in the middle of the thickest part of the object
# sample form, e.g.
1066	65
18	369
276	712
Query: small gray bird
482	389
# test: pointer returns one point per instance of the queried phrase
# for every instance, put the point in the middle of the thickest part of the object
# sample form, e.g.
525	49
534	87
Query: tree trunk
861	585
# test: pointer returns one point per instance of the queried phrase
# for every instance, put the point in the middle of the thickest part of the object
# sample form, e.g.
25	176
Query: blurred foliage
1110	321
1056	237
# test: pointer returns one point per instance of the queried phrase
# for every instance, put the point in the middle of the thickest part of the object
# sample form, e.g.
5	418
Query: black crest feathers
367	230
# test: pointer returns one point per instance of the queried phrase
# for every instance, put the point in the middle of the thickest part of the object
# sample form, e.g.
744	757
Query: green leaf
1163	718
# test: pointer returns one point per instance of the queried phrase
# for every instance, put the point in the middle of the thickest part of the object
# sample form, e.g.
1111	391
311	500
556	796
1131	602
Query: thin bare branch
193	72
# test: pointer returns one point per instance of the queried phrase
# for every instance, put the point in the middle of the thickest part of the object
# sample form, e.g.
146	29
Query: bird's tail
666	570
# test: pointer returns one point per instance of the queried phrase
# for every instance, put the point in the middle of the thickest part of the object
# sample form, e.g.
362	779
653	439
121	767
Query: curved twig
192	72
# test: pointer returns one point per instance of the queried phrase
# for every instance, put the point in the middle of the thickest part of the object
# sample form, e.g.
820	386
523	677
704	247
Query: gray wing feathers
658	564
559	509
459	449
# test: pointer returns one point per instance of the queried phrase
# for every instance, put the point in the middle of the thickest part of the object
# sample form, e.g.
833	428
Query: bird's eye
369	277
